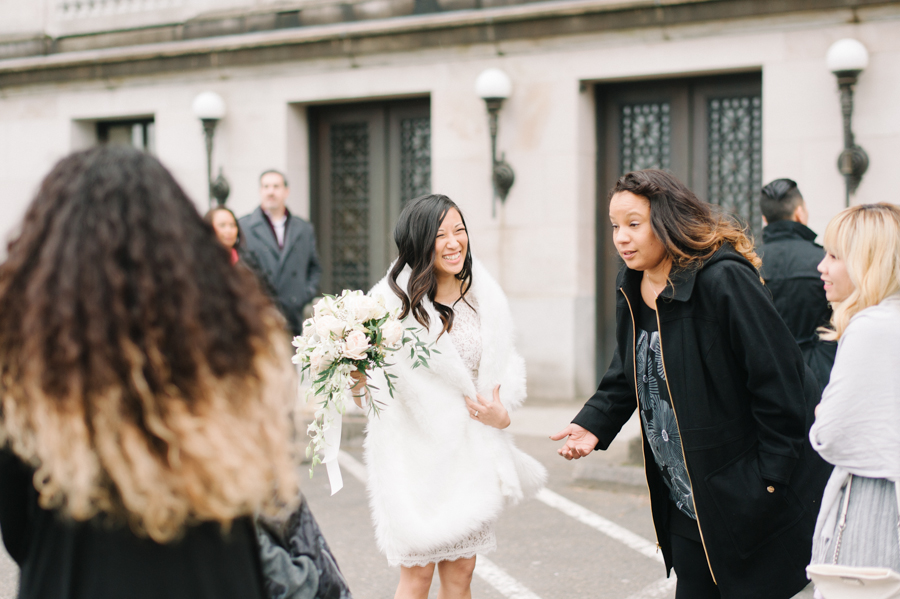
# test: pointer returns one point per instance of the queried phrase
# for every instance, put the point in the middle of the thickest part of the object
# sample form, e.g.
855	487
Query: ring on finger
475	414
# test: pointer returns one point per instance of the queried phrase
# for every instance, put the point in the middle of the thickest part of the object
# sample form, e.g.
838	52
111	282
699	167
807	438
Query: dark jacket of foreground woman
62	559
743	399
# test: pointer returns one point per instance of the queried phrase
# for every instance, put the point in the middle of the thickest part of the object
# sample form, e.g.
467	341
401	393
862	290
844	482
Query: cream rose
364	308
319	359
376	307
323	306
356	345
392	333
327	325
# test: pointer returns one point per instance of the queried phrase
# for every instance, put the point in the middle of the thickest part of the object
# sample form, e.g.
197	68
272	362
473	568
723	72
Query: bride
440	464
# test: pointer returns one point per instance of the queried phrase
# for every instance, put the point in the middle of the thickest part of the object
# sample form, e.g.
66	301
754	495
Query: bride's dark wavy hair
414	235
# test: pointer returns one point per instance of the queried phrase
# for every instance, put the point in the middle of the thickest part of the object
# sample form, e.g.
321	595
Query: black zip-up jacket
790	257
62	559
743	399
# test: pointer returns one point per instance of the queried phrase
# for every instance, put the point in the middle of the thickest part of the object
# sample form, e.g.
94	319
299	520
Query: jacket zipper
672	401
662	355
637	399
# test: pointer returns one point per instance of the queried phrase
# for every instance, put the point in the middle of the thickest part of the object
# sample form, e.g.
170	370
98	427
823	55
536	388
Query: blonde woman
857	425
145	388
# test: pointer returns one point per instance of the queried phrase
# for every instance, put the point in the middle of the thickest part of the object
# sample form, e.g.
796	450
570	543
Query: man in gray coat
286	247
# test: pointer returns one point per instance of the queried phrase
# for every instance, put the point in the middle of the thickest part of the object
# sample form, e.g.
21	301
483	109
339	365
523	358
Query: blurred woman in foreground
145	387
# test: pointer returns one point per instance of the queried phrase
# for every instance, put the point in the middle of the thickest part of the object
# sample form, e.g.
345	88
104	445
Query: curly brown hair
141	375
690	229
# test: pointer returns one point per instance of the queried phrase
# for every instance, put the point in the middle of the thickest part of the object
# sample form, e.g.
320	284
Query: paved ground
9	576
589	535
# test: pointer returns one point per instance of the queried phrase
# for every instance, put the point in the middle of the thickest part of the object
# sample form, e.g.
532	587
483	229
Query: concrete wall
541	244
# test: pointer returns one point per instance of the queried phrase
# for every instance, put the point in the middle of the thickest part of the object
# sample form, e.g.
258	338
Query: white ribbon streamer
332	434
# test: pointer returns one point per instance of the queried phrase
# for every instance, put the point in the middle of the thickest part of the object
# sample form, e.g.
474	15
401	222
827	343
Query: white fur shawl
436	475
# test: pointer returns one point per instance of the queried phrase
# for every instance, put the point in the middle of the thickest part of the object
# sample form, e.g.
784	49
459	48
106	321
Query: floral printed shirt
657	415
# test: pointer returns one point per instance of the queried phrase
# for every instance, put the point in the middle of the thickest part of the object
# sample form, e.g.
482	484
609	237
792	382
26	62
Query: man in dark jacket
790	257
286	248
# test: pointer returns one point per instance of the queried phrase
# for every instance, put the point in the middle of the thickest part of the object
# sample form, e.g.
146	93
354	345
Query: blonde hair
225	452
867	239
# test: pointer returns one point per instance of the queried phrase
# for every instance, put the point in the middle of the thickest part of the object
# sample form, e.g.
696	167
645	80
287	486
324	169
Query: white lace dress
466	337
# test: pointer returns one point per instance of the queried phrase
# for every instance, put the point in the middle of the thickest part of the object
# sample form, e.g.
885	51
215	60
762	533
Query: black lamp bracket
502	174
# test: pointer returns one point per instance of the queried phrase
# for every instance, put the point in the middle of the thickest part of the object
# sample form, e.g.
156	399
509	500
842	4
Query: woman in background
857	425
440	465
228	232
146	389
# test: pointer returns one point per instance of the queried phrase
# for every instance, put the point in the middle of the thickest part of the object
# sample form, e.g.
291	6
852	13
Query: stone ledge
401	34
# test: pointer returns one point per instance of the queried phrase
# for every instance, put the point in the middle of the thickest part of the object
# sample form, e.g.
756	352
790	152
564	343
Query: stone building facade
366	103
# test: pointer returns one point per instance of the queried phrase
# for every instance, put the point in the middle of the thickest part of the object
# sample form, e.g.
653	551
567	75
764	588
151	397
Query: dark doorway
368	160
707	131
138	133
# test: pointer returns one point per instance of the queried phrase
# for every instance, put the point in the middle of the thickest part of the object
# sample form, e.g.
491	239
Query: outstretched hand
580	442
492	413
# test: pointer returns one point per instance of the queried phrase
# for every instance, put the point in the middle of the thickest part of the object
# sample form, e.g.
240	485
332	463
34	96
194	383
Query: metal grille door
370	159
349	183
707	131
734	141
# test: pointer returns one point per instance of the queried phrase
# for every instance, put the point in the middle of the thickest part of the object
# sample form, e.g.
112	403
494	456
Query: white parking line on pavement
352	465
610	529
502	582
485	569
657	590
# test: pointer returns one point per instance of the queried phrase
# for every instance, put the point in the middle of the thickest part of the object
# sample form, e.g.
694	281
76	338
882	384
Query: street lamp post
847	58
493	86
209	107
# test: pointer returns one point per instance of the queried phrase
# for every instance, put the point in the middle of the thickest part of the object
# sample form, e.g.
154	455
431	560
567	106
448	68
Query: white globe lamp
846	56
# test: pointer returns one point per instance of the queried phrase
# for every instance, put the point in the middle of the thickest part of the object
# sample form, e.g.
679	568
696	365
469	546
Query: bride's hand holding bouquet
349	336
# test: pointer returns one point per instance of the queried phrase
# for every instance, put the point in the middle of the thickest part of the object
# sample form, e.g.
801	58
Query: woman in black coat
724	397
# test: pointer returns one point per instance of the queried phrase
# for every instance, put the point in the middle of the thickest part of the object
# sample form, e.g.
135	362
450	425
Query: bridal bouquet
347	333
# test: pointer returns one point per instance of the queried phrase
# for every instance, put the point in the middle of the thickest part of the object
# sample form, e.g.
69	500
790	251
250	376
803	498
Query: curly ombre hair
867	239
142	376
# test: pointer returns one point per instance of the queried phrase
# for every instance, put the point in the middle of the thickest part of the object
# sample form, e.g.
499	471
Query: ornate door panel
706	131
727	161
369	160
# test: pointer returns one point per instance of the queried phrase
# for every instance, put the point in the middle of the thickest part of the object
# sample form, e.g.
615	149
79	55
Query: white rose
357	344
377	309
309	328
299	342
324	306
392	333
319	359
327	325
352	304
363	308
